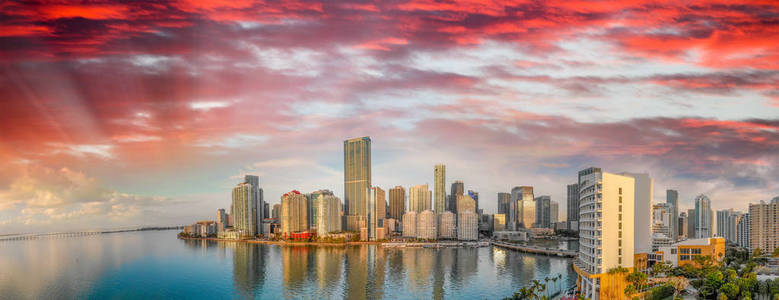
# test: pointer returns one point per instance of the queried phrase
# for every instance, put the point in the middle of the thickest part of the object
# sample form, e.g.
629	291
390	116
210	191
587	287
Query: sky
148	112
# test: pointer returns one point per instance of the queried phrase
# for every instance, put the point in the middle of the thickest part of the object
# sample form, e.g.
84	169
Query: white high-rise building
447	229
328	213
410	224
642	221
703	217
743	231
606	226
427	225
467	226
727	224
245	210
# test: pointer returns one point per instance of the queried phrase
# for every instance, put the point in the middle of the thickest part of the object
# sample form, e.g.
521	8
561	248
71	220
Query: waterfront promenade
536	250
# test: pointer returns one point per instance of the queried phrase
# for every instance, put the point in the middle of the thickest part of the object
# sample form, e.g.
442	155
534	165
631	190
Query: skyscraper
672	198
727	224
605	228
446	225
276	213
691	224
643	211
221	219
763	224
440	193
475	196
554	213
573	202
245	210
743	231
312	199
682	225
357	180
294	213
410	224
258	202
328	213
419	198
376	211
458	188
397	202
525	206
467	226
543	211
703	217
503	203
427	225
466	203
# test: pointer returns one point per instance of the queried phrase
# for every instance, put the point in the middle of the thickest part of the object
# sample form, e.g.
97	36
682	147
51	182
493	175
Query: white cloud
208	105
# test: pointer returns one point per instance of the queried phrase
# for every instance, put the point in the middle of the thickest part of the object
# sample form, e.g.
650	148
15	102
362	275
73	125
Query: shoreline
383	244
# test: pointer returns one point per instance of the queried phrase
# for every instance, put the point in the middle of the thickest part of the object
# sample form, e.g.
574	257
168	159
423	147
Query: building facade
523	198
672	198
743	231
357	180
245	210
447	228
690	223
684	253
467	226
554	213
419	198
763	222
703	217
642	220
543	212
458	188
466	203
439	188
294	213
397	202
572	201
498	222
427	225
376	211
503	203
328	213
727	224
258	202
682	226
606	233
410	224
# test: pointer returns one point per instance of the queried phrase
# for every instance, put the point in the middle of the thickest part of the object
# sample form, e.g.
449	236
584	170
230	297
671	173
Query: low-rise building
684	252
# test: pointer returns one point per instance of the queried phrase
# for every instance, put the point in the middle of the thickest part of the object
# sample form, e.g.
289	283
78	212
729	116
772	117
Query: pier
537	250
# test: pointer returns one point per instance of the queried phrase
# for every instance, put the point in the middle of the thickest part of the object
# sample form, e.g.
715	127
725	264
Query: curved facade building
410	224
294	213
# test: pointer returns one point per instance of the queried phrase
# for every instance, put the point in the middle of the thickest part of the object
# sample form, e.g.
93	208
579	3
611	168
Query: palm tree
546	283
554	282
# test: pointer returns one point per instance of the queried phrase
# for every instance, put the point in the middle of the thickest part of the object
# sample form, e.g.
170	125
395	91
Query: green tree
679	284
662	267
637	282
729	289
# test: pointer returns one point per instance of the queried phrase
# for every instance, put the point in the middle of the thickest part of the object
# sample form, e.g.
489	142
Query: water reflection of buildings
249	268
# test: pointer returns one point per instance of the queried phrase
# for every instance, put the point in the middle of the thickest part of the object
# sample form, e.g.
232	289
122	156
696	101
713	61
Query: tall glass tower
357	181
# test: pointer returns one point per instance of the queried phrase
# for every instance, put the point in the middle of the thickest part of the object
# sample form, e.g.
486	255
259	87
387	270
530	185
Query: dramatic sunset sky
148	113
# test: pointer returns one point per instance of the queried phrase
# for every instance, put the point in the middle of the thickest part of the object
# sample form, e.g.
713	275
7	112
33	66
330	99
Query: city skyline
120	114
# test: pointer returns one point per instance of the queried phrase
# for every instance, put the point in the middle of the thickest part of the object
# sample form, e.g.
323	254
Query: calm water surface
155	264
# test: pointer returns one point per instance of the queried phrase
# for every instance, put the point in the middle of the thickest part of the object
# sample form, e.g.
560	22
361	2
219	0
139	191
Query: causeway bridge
536	250
35	236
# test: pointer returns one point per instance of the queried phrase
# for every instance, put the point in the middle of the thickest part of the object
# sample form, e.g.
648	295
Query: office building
606	233
503	203
447	228
328	213
661	225
258	202
245	210
419	198
543	212
466	203
727	224
410	224
397	202
475	196
427	225
743	231
294	213
467	226
703	217
522	196
763	222
643	211
458	188
221	219
554	213
376	211
672	198
357	180
682	225
439	188
498	222
312	205
276	214
573	202
690	223
485	224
